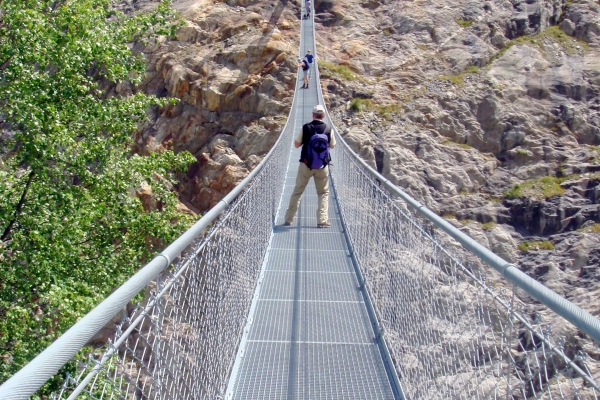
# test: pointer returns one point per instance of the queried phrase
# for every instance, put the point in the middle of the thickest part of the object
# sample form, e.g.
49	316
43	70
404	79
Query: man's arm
298	138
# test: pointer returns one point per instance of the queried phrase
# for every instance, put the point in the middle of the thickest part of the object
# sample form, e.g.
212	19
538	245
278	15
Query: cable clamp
165	257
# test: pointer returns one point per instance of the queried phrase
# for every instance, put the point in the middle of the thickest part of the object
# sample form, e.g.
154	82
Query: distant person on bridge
304	64
316	140
307	8
309	57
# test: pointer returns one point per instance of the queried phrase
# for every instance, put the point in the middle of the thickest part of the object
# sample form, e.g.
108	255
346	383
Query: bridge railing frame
29	379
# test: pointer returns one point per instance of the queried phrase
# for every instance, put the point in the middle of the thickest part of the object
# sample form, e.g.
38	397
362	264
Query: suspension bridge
391	302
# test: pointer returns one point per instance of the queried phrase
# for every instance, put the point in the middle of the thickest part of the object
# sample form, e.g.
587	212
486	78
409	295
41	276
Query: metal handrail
583	320
31	377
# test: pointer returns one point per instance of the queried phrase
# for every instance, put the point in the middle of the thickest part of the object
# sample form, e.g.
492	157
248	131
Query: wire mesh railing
183	342
454	328
458	321
180	342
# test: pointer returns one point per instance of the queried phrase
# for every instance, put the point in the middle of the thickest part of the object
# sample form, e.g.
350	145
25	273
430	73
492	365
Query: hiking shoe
324	225
288	224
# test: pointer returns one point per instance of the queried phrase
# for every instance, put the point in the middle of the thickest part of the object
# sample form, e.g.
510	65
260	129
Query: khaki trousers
321	177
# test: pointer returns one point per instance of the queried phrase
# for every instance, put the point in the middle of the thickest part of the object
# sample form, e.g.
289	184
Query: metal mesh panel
182	341
454	327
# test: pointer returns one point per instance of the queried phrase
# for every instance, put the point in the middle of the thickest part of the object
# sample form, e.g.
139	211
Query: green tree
71	226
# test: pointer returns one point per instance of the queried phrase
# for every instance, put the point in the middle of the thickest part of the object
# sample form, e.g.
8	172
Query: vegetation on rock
385	111
536	245
550	34
458	79
464	23
541	188
340	70
72	228
488	225
463	145
357	105
593	228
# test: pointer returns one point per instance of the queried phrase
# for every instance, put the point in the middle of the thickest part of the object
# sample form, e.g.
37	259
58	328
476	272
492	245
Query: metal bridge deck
309	335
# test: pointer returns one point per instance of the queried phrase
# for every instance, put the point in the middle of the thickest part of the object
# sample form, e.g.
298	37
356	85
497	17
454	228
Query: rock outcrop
232	67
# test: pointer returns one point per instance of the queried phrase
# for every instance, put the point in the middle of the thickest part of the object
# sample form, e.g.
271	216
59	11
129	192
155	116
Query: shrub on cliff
71	226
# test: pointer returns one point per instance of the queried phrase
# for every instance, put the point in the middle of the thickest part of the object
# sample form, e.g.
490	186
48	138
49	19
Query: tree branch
19	207
5	64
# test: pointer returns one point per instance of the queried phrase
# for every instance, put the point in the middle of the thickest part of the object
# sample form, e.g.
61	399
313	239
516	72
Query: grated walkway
309	333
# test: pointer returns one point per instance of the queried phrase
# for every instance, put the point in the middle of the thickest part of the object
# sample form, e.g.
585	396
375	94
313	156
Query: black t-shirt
318	127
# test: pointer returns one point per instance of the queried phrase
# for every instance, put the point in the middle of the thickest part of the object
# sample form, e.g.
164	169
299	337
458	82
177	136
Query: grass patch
559	36
552	32
488	225
357	105
596	158
339	70
463	145
513	192
536	245
593	148
465	23
594	228
458	79
522	152
389	109
595	176
466	221
384	111
448	216
541	188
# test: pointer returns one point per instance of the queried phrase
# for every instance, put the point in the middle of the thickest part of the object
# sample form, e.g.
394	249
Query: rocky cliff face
488	112
232	66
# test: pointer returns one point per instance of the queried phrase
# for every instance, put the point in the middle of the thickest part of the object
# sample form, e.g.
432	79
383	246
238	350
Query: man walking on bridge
303	63
316	140
309	57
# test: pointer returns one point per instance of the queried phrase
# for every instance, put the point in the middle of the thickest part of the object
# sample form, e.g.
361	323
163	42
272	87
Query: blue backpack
318	149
